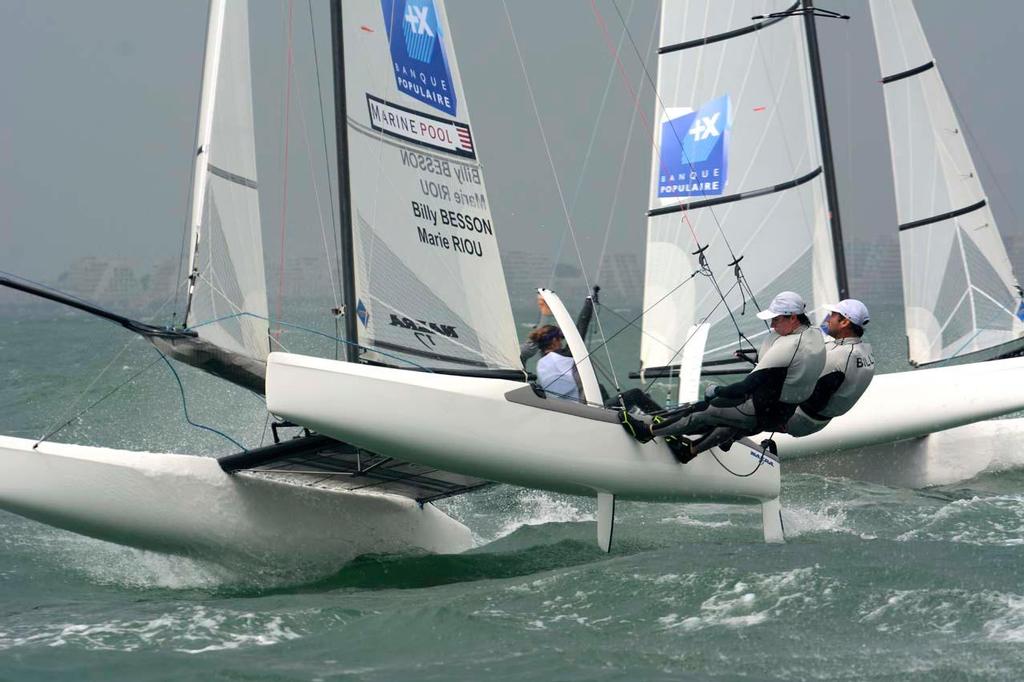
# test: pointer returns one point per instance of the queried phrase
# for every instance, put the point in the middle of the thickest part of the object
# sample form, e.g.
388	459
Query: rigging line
650	383
685	214
785	138
184	241
664	110
679	350
317	332
622	162
760	461
632	91
103	371
604	343
184	406
597	120
979	329
263	433
335	286
961	122
287	137
327	155
554	174
586	159
101	399
639	328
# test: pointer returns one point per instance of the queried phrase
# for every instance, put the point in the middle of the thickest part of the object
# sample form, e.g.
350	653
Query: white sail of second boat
960	293
228	293
738	169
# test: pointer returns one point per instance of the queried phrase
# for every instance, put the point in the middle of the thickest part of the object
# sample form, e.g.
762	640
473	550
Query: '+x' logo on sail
705	127
417	18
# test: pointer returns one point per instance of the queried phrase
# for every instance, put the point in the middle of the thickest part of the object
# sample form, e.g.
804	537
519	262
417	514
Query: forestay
228	283
959	291
737	160
428	275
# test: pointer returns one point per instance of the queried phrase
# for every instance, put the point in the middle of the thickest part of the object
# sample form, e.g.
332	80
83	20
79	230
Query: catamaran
744	195
312	498
430	334
432	399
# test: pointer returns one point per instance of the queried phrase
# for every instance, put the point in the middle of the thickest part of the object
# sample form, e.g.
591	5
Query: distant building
622	279
107	282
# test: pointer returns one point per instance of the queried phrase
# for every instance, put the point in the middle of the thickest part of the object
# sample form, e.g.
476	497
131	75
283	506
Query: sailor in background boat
849	368
529	348
556	370
789	363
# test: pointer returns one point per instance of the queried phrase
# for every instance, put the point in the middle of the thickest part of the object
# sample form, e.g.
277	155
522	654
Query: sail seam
772	189
719	37
908	73
943	216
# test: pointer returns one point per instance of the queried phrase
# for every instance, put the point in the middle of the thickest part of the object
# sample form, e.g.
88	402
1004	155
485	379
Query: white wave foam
1008	626
830	518
740	603
192	630
999	615
989	520
538	508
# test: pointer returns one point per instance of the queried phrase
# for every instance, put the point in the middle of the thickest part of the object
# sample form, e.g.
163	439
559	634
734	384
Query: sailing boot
681	447
637	428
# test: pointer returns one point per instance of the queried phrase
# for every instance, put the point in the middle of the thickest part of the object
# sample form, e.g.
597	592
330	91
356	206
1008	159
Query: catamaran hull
913	404
499	430
942	458
183	504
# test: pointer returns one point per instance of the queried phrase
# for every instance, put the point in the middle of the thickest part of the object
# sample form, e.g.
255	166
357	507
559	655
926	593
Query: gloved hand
710	391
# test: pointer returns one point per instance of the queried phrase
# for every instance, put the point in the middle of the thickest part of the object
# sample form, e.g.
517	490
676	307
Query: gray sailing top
849	368
785	375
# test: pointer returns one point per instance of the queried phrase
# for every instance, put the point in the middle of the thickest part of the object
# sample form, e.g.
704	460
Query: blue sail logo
417	51
362	313
694	151
420	35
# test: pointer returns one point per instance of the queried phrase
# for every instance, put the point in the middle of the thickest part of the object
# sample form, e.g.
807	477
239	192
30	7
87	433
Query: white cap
851	309
786	303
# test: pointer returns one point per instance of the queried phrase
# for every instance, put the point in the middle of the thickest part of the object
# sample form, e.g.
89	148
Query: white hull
942	458
183	504
921	428
469	425
912	404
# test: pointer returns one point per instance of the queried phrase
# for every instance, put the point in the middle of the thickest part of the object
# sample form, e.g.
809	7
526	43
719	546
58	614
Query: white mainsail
960	293
428	276
228	296
738	169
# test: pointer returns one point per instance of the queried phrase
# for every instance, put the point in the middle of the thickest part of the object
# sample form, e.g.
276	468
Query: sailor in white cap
790	362
849	368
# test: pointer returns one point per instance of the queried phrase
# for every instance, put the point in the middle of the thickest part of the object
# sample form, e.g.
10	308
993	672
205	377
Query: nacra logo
423	330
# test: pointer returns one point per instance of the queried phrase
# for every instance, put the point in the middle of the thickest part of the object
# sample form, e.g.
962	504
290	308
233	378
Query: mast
348	284
831	192
204	126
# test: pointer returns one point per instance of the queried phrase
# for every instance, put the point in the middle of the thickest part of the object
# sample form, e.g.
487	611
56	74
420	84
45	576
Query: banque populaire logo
695	151
417	50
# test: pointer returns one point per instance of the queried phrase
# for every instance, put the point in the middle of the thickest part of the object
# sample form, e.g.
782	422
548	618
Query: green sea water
874	583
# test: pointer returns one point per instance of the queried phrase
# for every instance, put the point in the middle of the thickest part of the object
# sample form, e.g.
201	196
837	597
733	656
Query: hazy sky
100	99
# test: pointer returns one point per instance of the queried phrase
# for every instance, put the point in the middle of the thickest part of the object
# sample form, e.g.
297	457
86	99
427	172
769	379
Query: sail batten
701	42
944	216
